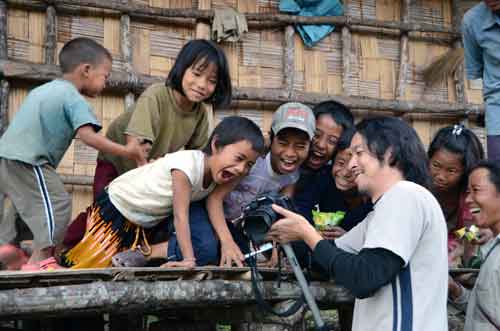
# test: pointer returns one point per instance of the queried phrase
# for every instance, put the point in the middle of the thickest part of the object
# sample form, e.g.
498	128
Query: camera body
259	216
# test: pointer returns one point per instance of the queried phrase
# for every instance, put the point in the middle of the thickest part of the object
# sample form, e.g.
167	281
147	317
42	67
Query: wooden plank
51	36
119	297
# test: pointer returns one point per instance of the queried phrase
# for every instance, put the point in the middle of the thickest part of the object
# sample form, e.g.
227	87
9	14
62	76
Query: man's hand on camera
231	254
293	227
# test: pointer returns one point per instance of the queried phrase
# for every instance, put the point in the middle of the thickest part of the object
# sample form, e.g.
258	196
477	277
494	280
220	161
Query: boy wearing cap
292	130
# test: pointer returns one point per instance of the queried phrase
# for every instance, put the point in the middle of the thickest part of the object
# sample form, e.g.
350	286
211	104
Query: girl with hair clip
167	116
452	153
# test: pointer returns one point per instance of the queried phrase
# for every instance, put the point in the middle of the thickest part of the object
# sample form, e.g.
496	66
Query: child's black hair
493	168
462	141
337	111
82	50
233	129
389	134
344	140
203	52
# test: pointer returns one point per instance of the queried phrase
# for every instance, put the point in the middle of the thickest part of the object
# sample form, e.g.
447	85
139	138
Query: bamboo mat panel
427	129
155	47
319	69
262	117
374	64
386	10
257	59
474	91
436	12
105	31
25	35
421	55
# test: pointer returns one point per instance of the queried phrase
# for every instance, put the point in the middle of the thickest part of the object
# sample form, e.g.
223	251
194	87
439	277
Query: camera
259	216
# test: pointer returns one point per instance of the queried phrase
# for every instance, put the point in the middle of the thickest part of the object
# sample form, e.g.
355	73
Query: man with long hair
395	260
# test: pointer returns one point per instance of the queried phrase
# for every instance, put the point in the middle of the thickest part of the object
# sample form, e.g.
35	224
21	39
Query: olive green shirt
157	118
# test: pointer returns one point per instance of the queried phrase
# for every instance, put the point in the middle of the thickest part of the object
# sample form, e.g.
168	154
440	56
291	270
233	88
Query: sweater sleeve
364	273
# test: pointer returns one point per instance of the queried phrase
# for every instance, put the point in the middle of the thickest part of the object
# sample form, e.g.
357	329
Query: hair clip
457	129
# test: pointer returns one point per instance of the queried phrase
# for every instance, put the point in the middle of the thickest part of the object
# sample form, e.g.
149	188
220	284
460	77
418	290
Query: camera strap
263	304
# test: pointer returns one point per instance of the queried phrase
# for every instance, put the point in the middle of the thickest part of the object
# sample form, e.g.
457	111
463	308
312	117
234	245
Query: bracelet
192	259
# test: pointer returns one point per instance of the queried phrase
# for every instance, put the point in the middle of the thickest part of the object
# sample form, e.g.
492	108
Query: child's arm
181	191
230	252
132	150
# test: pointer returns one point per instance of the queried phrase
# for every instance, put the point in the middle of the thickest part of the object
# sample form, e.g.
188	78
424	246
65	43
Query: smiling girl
452	153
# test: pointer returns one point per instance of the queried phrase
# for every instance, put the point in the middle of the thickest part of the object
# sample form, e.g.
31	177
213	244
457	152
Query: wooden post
289	59
459	74
404	53
51	36
3	30
346	60
126	52
203	32
4	102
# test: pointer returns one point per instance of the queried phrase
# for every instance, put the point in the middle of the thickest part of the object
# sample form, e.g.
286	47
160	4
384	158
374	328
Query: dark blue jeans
205	242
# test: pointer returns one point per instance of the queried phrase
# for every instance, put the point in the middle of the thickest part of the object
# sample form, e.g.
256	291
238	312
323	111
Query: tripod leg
303	285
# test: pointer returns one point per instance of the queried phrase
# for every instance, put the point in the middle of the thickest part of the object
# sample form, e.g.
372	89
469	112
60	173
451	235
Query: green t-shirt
157	118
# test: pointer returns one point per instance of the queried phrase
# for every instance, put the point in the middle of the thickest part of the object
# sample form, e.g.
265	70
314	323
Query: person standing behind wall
481	37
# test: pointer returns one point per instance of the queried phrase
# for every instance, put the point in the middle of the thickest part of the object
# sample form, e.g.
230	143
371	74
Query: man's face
494	5
365	167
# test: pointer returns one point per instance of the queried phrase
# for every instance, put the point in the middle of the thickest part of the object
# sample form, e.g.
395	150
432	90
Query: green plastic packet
324	220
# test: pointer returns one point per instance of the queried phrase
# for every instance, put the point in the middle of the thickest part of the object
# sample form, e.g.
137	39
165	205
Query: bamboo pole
3	30
346	59
133	296
404	53
121	82
51	36
289	59
144	12
126	53
459	74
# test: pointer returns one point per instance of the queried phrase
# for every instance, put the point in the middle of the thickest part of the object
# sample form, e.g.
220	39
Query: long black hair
389	134
459	140
203	52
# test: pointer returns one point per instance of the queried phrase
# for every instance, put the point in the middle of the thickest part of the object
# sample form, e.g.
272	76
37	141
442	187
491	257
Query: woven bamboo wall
349	62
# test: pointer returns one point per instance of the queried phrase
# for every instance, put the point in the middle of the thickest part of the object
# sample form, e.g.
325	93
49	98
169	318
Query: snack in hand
470	233
324	220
